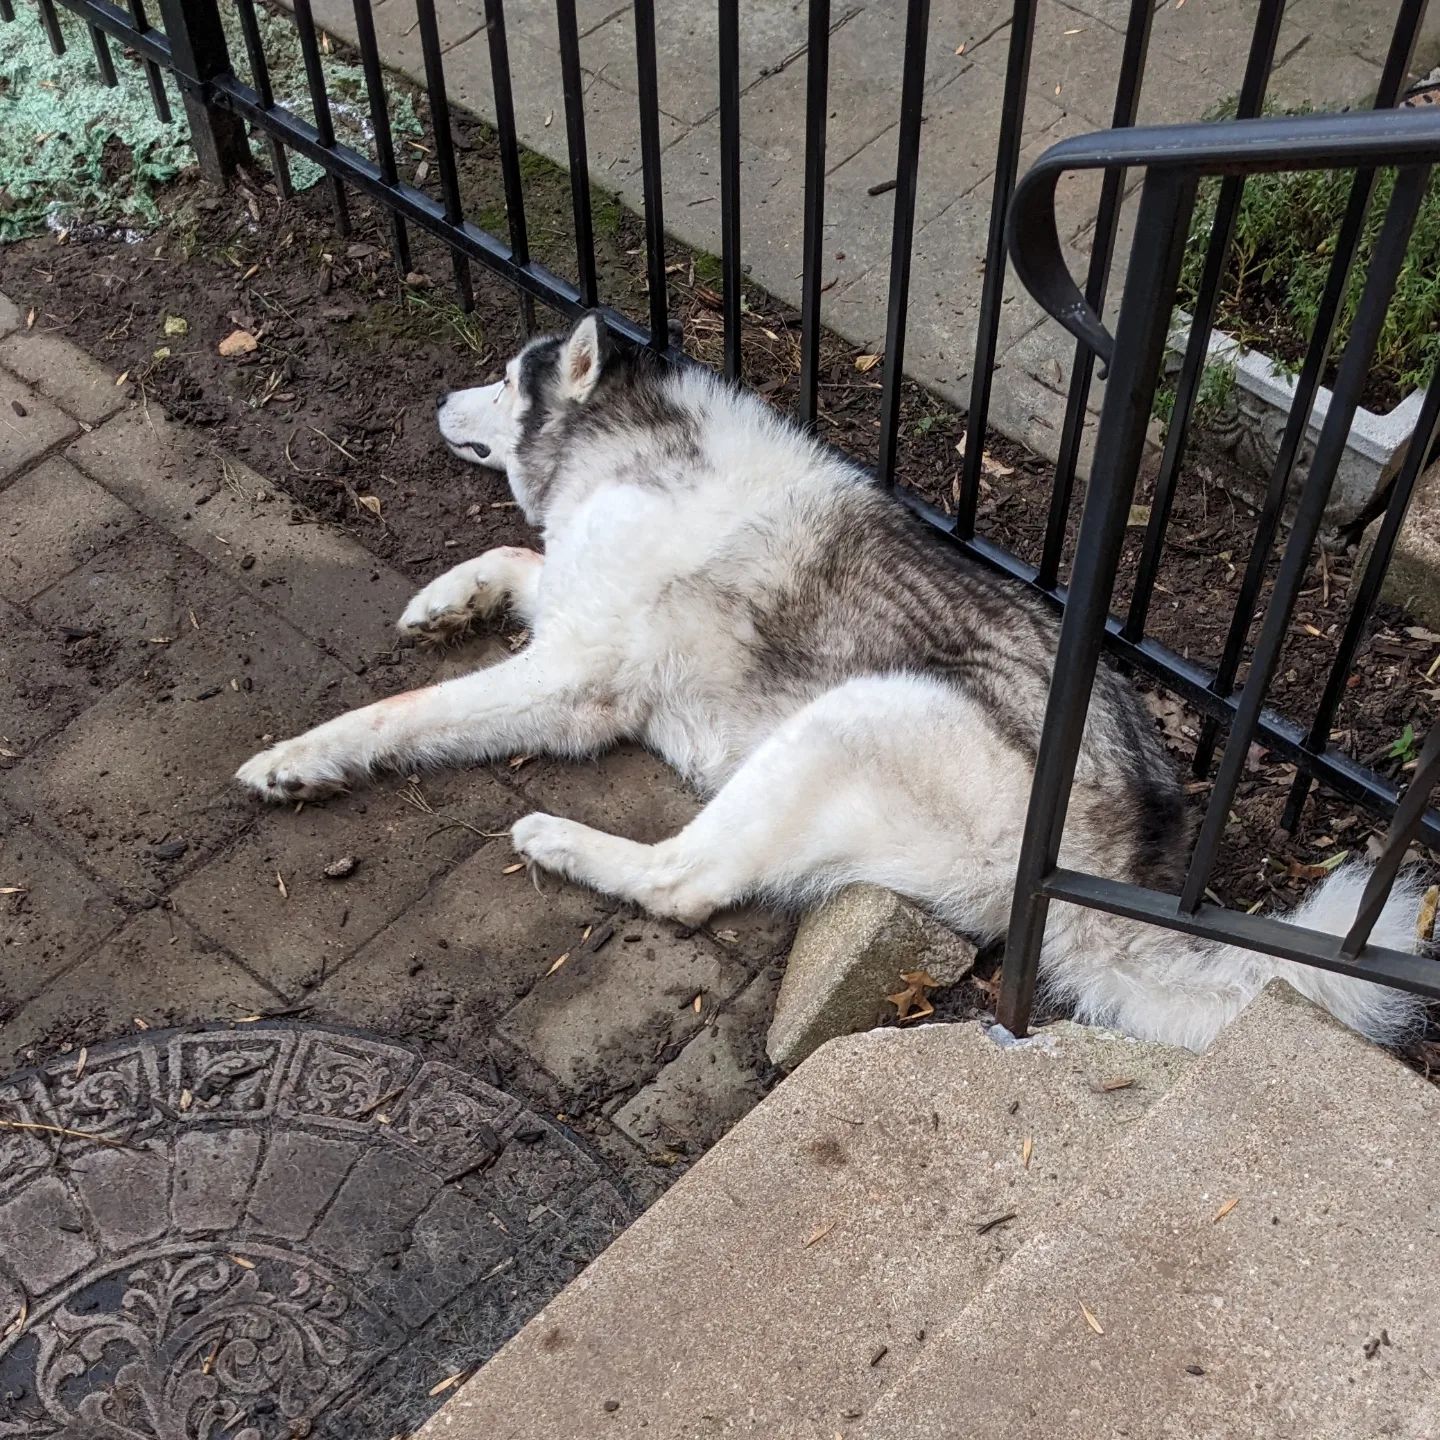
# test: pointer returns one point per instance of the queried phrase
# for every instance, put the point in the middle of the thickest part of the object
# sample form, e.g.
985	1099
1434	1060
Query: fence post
199	53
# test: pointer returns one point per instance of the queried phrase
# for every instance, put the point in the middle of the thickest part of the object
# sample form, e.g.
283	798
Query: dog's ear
583	358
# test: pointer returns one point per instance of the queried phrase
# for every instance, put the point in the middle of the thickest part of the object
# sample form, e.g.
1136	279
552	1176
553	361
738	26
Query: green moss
708	270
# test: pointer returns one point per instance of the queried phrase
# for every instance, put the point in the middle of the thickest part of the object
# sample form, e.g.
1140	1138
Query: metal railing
220	105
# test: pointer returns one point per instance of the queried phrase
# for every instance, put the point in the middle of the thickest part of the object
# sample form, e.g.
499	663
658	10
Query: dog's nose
441	398
479	450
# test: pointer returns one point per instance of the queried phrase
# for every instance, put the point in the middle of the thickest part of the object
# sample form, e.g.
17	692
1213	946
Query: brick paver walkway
1328	56
164	610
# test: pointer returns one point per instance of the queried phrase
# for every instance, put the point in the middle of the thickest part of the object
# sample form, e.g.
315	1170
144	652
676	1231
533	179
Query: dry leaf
121	378
371	503
176	325
511	869
696	1003
1027	1150
558	963
186	1099
238	342
243	1263
280	886
80	1062
446	1383
865	363
14	889
819	1233
18	1323
1120	1082
1090	1319
30	319
1425	921
1225	1209
139	1023
1139	516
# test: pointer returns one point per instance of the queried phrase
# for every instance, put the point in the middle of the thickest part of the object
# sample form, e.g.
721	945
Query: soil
336	404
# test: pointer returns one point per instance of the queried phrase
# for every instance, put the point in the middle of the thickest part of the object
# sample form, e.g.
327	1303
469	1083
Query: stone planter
1249	424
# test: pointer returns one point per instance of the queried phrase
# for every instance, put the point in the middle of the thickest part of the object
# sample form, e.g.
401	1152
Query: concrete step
794	1274
1305	1310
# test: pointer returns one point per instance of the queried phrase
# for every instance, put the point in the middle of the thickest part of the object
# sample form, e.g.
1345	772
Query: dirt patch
335	402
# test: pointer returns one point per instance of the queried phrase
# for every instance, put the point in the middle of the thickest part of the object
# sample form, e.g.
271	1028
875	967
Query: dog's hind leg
475	589
869	782
536	701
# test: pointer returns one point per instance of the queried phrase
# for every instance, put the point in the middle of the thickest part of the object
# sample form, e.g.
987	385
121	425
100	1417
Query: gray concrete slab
1250	1260
799	1269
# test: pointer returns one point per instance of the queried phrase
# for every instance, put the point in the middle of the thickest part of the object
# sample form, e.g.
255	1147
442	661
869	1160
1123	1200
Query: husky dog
858	700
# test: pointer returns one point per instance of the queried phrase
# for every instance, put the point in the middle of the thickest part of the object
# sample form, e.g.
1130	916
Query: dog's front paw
546	840
290	771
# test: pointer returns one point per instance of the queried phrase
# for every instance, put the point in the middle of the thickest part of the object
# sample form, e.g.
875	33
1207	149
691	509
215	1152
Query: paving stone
55	520
717	1079
1322	71
686	47
126	1195
41	1235
595	1022
212	1171
627	790
323	582
849	955
57	915
464	953
155	969
294	939
63	373
299	1178
150	765
945	279
957	155
131	599
1076	62
612	123
29	425
42	691
406	1280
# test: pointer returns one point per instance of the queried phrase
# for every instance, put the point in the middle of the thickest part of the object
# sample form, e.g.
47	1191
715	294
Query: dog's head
498	425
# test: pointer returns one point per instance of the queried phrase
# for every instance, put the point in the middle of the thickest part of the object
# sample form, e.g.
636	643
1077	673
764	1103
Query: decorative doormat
271	1232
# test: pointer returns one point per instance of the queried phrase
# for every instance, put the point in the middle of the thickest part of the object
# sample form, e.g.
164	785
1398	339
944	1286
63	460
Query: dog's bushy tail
1386	1016
1159	985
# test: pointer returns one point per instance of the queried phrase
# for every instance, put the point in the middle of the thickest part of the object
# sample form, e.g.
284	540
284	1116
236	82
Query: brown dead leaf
238	342
1225	1209
1120	1082
511	869
1090	1319
243	1263
80	1062
18	1323
558	963
866	363
819	1233
910	1004
14	889
447	1382
1027	1150
371	503
186	1099
280	886
1139	516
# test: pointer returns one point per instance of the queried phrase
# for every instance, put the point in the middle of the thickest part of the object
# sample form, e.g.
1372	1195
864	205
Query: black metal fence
1173	160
